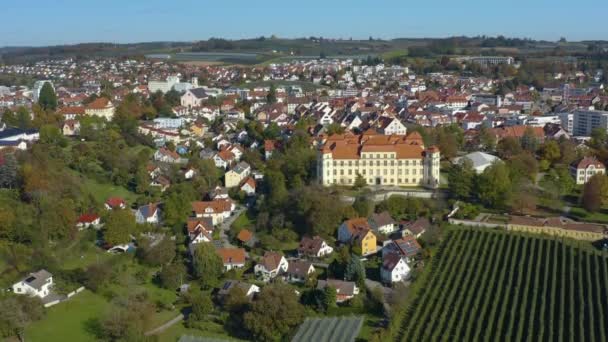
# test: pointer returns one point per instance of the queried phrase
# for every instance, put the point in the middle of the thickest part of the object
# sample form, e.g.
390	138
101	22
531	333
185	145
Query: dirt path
165	326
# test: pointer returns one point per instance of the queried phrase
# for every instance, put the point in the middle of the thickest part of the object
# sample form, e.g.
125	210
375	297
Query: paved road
165	326
225	226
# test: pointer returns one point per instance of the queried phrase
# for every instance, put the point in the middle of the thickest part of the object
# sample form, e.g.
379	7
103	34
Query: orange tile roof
349	146
244	235
218	206
99	103
232	255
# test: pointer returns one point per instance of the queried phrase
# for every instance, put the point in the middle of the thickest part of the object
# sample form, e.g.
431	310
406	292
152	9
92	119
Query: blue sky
45	22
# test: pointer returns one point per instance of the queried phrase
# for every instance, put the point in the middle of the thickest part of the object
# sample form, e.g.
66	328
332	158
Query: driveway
224	227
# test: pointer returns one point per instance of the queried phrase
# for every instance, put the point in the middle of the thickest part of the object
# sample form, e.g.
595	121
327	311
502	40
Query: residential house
298	271
37	284
390	126
358	233
71	127
272	265
584	169
416	228
232	257
394	268
88	220
115	203
166	156
200	230
314	247
149	213
223	159
407	247
248	289
218	209
382	223
101	107
345	290
237	174
248	186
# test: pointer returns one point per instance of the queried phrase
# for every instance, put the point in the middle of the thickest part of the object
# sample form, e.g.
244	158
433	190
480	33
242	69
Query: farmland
490	285
335	329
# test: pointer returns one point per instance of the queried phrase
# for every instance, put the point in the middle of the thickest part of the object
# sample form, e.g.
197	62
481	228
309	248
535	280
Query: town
148	199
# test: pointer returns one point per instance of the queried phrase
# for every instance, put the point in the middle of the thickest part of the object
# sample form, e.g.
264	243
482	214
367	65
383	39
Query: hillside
489	285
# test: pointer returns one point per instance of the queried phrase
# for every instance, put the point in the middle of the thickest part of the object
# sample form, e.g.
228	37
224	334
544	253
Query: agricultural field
492	285
334	329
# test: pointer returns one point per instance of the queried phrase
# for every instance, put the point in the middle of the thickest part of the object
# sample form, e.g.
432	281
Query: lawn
101	191
70	320
245	220
211	329
583	215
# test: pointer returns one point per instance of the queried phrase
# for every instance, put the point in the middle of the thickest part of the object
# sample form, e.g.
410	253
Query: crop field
497	286
330	329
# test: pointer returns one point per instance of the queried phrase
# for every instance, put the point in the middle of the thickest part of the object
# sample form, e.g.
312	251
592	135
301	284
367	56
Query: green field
72	320
491	285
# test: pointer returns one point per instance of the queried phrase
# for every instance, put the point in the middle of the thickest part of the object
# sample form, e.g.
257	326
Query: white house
583	170
394	269
382	223
271	265
315	247
298	271
345	290
389	126
218	209
249	289
88	220
232	257
166	156
37	284
149	213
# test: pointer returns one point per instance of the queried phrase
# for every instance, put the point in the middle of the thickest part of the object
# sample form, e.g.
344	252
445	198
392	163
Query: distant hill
273	47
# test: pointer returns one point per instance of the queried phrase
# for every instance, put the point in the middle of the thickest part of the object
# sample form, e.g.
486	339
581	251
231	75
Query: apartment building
395	160
585	121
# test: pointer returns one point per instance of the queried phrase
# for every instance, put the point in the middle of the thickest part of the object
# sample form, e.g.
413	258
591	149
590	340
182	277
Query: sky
54	22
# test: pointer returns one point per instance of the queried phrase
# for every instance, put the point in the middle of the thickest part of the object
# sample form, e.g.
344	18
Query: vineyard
497	286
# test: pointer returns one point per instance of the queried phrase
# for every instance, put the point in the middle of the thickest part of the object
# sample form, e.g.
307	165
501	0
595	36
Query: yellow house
558	226
197	129
359	234
235	176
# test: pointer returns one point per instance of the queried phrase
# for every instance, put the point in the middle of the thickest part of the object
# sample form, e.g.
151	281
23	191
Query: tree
523	166
363	206
47	98
201	306
128	318
118	227
330	297
8	171
16	312
461	179
334	128
529	142
156	253
508	147
494	186
172	276
487	139
524	199
595	193
274	314
208	265
550	151
355	271
271	97
51	135
359	182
